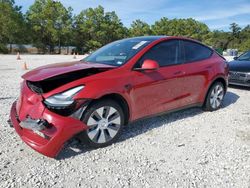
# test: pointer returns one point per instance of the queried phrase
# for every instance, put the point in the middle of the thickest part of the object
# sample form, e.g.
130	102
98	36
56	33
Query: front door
159	90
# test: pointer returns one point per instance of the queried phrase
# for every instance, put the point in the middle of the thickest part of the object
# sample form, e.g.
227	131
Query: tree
220	39
235	29
245	39
48	23
94	28
181	27
161	27
51	24
235	35
12	28
139	28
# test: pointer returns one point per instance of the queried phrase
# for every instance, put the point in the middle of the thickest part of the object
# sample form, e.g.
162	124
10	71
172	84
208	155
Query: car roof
158	37
148	38
152	37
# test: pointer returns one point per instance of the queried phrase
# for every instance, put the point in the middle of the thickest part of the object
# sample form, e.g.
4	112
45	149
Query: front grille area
35	87
237	76
237	81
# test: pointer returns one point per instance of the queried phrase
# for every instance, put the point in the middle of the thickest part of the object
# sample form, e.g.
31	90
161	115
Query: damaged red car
121	82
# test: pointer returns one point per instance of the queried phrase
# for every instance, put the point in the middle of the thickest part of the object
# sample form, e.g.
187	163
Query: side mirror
147	65
235	58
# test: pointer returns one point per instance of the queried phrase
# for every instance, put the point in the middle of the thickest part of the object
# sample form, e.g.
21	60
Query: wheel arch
222	80
217	79
120	100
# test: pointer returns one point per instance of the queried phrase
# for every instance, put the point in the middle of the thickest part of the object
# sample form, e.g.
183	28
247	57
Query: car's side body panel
156	91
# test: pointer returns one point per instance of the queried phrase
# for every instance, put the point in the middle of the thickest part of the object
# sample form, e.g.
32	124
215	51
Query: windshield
244	57
117	53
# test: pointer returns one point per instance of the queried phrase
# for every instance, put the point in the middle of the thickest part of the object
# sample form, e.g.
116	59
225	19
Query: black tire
208	105
89	113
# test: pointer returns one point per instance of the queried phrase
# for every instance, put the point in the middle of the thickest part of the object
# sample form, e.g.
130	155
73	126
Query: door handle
179	72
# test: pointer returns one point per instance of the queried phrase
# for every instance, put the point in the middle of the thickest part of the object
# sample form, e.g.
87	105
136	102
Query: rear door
198	67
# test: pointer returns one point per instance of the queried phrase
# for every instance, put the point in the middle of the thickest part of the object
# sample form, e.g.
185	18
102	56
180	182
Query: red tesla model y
121	82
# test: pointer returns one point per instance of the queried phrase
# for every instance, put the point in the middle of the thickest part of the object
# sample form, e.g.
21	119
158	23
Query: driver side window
165	53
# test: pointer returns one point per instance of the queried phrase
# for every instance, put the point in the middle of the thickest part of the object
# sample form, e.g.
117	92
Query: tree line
49	23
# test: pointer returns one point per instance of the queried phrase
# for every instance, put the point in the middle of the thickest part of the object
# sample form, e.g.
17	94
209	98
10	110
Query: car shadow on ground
74	147
229	99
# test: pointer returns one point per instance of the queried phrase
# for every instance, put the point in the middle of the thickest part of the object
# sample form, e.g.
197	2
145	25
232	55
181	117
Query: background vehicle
119	83
239	70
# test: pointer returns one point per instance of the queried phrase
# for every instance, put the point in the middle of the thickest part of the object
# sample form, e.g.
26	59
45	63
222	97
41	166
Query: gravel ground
190	148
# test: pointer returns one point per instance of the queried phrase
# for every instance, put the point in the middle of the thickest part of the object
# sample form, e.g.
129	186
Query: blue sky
217	14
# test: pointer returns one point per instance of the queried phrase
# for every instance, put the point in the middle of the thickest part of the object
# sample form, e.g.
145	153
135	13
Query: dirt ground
190	148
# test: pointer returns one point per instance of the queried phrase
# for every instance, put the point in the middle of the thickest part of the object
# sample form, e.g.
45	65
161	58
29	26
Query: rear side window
165	53
195	52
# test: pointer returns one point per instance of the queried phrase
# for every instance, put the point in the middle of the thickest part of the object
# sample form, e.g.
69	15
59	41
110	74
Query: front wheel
214	97
105	120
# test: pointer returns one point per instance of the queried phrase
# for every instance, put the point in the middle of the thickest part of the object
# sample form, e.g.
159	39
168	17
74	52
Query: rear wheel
214	97
105	120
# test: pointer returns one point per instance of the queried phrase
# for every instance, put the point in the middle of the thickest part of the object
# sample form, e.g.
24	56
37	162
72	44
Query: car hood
53	70
239	66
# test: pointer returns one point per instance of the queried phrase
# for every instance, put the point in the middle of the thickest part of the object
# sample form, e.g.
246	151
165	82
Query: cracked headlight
63	99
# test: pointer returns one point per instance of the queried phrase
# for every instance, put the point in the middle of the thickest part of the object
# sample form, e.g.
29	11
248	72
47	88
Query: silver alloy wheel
216	96
104	123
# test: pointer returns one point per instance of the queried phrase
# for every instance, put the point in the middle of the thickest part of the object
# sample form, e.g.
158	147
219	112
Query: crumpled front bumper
61	129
